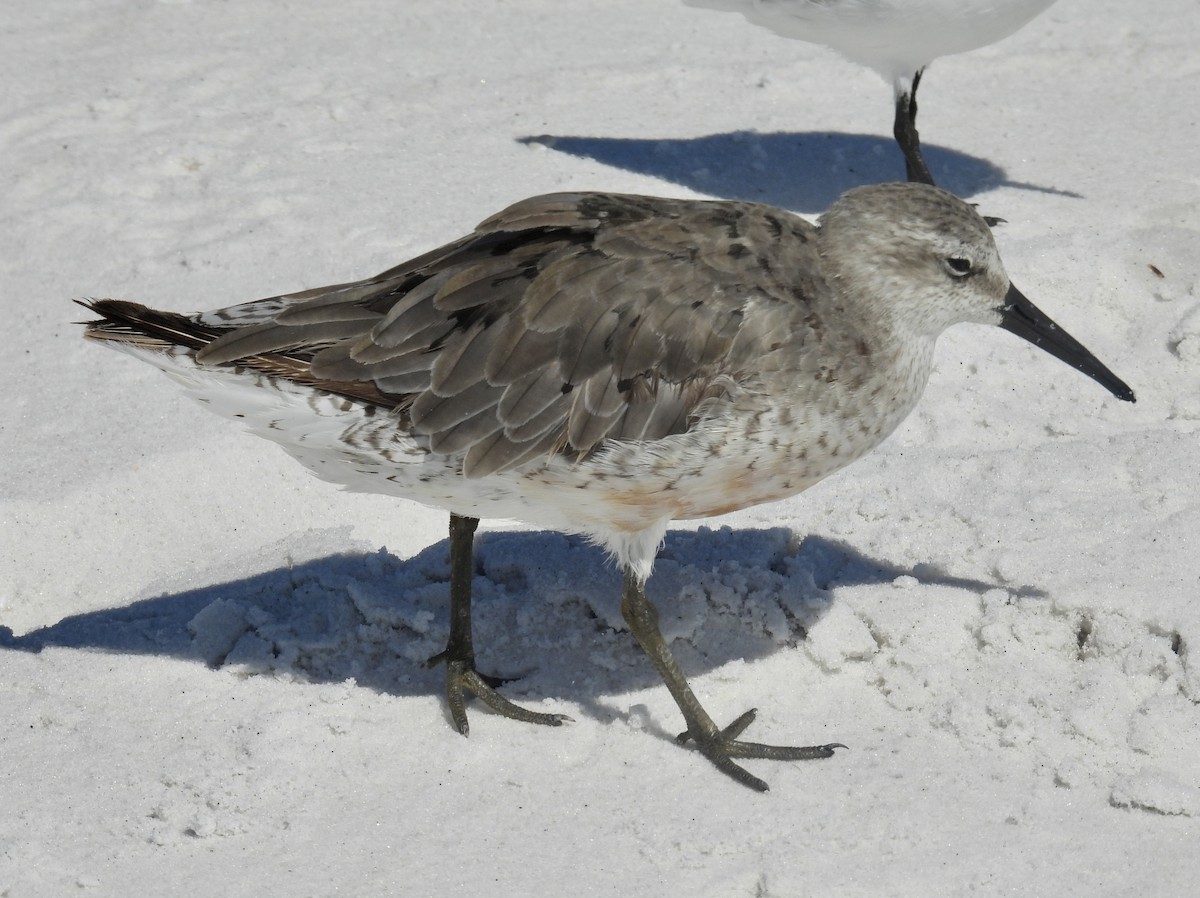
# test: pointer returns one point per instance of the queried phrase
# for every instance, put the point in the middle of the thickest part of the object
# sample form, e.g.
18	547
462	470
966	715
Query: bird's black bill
1029	322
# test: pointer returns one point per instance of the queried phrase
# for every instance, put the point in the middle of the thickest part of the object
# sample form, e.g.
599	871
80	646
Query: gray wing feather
403	383
432	414
338	304
460	362
548	419
261	338
517	350
530	395
502	454
642	419
412	313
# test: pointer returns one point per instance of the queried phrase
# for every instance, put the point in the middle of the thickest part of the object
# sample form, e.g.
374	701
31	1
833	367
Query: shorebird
604	364
896	38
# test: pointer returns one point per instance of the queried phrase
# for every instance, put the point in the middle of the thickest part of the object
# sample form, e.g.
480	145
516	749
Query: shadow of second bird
802	171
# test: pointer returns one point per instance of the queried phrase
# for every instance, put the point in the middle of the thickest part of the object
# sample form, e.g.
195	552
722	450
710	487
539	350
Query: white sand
1002	604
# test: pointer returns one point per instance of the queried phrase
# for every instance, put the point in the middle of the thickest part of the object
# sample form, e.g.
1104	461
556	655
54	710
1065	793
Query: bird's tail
140	327
171	341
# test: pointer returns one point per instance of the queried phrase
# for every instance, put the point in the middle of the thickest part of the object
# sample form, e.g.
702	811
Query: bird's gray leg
459	654
720	746
905	131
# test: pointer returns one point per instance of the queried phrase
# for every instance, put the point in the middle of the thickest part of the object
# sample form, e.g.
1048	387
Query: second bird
896	38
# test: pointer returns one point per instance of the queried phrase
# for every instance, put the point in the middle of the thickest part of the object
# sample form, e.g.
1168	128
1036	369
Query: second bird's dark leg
459	654
719	745
905	131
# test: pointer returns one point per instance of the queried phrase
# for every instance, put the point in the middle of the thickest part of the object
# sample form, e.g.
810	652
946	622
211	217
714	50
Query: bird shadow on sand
546	609
804	171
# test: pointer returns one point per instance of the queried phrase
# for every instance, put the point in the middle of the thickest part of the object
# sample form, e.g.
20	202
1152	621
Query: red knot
896	38
604	364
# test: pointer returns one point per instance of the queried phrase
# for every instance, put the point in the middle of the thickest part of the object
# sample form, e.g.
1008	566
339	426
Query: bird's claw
723	746
463	678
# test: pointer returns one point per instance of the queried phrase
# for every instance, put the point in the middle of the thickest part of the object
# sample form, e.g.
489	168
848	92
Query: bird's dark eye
958	267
